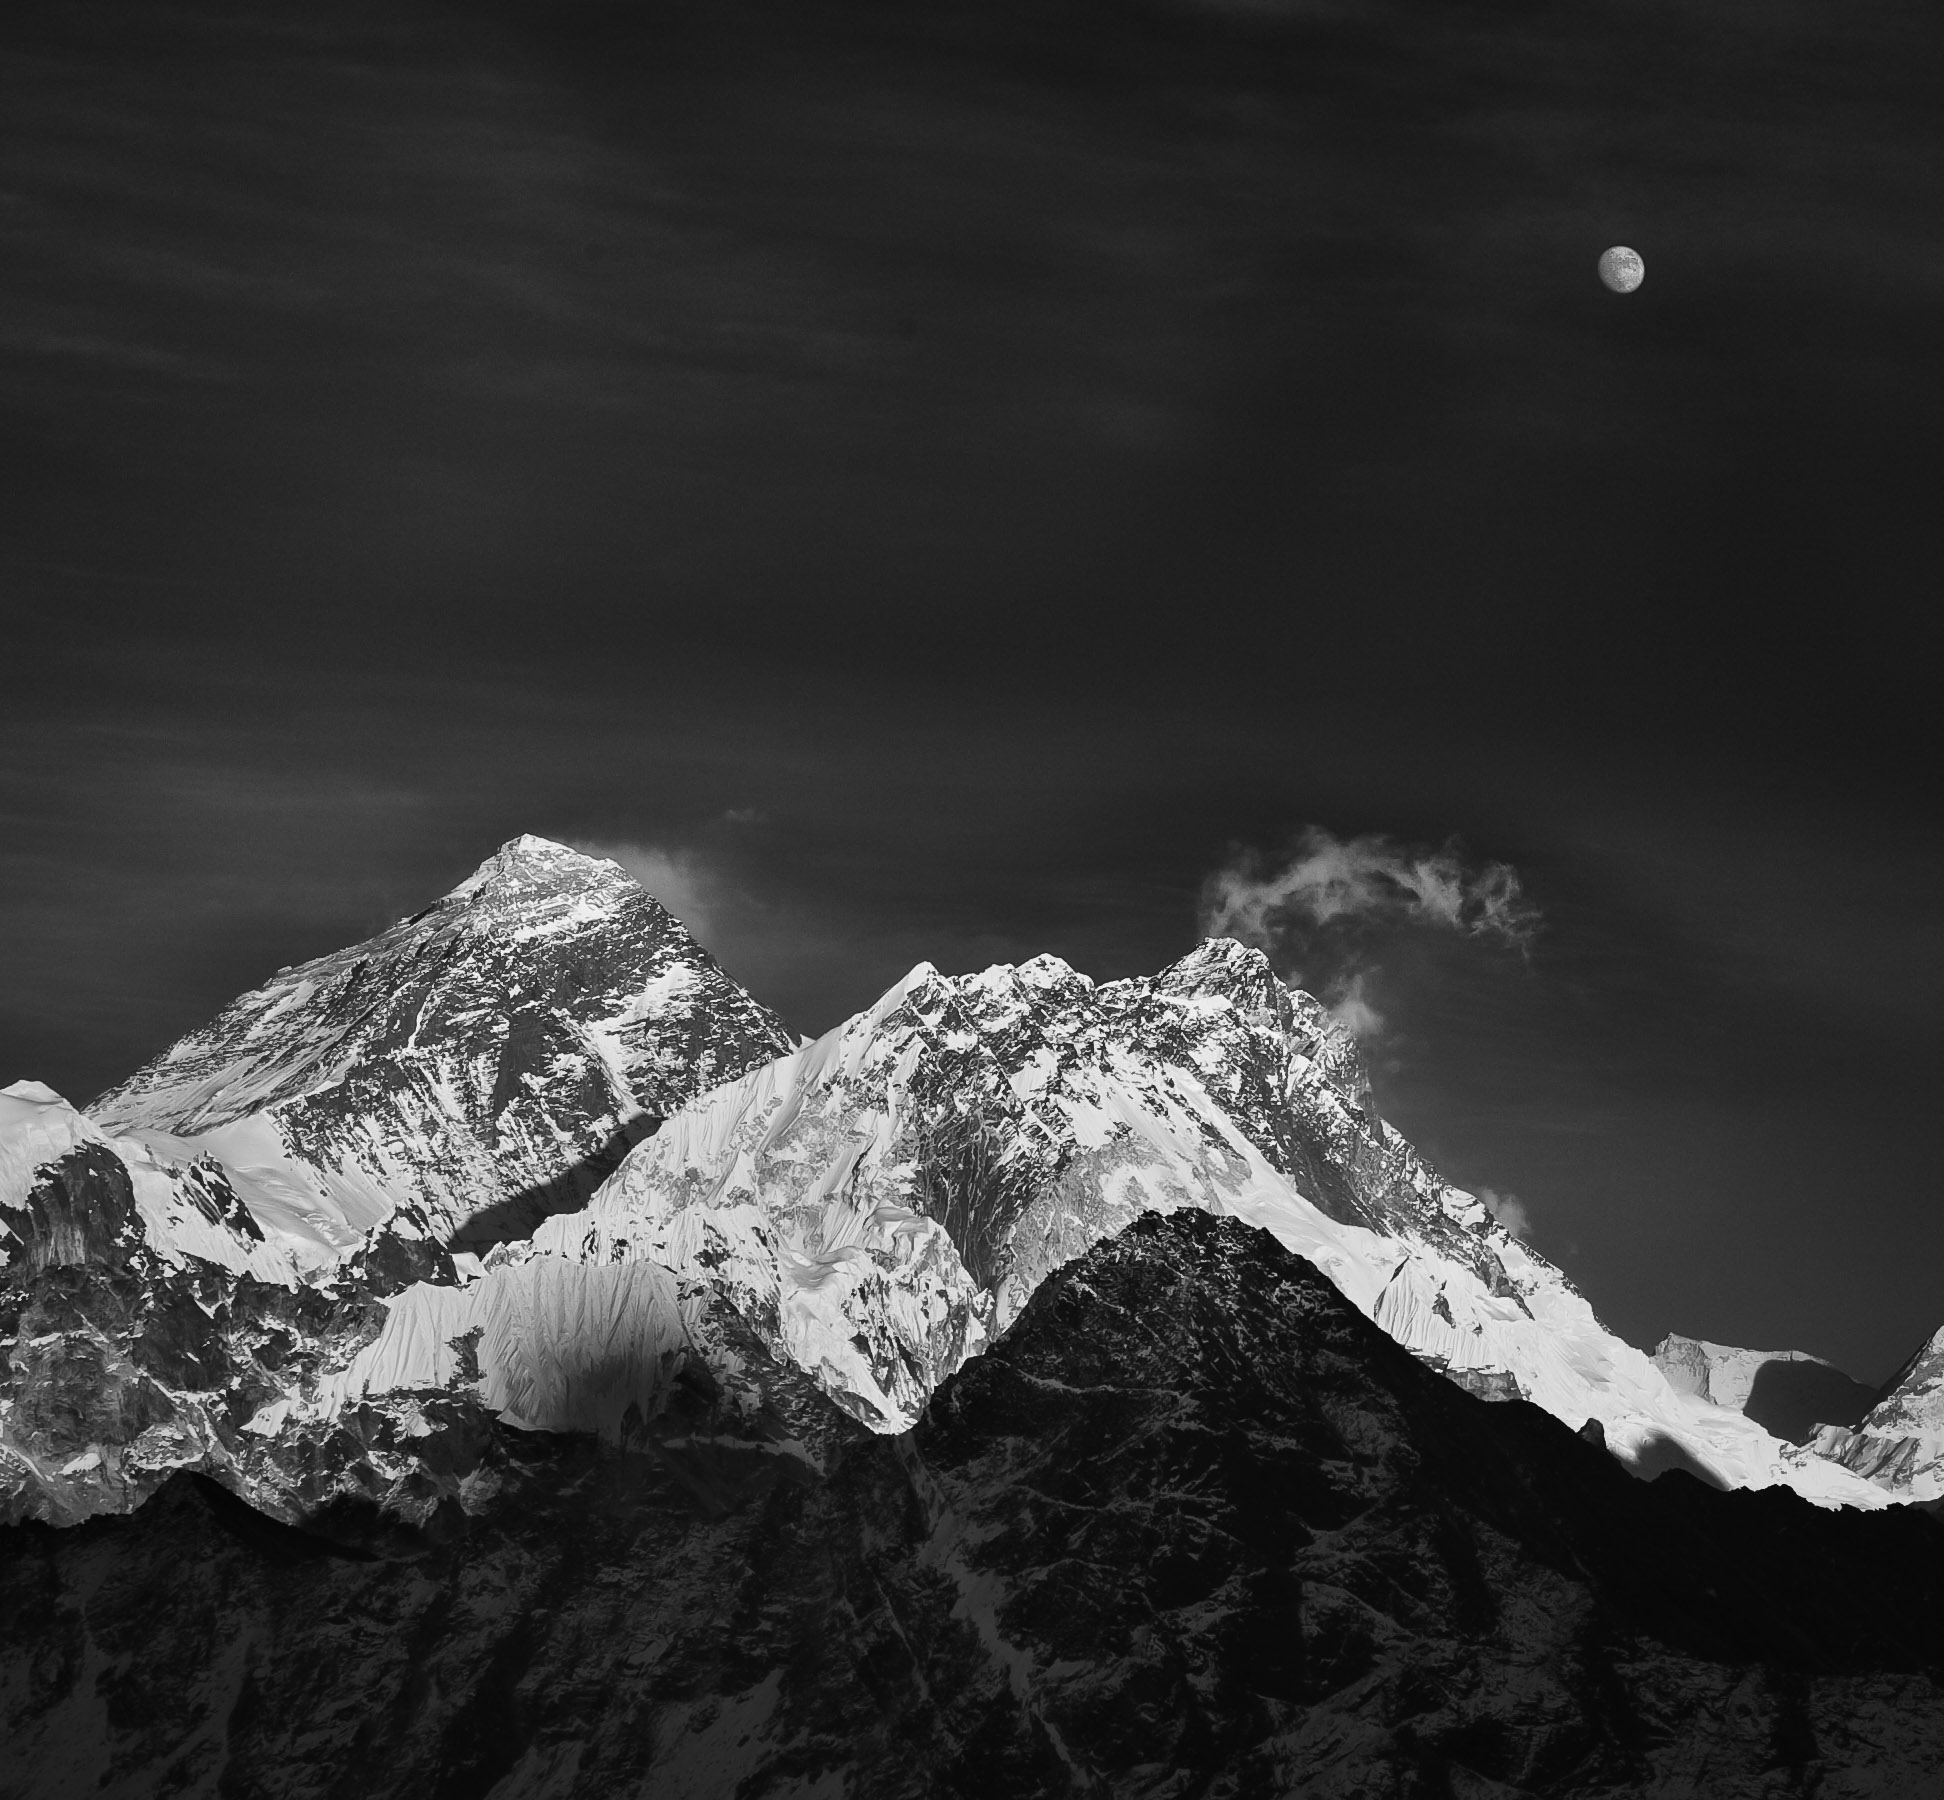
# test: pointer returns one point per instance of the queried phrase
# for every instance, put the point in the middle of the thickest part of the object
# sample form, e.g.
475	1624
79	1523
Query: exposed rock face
194	1271
379	1385
879	1204
482	1064
76	1211
1787	1392
1899	1443
868	1211
1193	1525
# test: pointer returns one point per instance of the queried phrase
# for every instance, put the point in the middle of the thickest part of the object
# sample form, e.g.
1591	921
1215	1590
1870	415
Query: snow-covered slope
1788	1392
481	1064
1900	1442
71	1193
261	1255
146	1326
262	1227
880	1204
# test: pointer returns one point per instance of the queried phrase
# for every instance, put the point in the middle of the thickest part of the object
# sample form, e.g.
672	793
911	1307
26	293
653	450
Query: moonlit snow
416	1141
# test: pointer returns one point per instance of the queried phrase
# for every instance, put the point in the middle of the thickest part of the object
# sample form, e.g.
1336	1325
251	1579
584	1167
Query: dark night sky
939	481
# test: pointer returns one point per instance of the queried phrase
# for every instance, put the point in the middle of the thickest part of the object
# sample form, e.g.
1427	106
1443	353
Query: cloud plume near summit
677	878
1322	906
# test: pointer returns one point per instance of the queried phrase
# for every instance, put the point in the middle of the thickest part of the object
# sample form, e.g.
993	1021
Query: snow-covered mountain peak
1048	971
922	978
533	1152
36	1126
881	1203
1899	1443
527	871
1224	966
38	1130
334	1150
488	1058
1037	977
73	1194
1222	978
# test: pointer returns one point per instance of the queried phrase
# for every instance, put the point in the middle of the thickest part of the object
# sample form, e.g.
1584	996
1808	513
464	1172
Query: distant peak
528	847
529	852
1052	973
529	864
1045	971
1221	965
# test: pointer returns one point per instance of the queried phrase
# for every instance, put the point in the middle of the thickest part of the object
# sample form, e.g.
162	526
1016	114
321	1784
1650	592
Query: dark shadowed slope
1792	1399
1194	1526
1787	1392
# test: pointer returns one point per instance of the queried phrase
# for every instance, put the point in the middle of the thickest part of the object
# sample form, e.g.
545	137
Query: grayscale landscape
970	900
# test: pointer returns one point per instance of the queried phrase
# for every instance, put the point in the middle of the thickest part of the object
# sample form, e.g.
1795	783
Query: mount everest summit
530	1158
464	1074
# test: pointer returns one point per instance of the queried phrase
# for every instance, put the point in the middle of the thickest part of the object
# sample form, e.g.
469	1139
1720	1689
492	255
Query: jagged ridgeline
1193	1526
482	1064
532	1161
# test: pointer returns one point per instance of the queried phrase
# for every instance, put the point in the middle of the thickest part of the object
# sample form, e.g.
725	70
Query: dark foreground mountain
1193	1526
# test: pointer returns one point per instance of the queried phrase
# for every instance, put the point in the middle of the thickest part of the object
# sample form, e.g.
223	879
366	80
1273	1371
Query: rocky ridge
260	1256
476	1067
1192	1526
879	1205
277	1285
221	1236
1899	1442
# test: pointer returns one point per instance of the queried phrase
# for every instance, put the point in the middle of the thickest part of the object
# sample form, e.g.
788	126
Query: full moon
1622	269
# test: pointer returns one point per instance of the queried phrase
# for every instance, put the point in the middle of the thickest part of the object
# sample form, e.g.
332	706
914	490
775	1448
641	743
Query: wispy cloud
678	878
1325	880
1510	1211
1322	908
1352	1010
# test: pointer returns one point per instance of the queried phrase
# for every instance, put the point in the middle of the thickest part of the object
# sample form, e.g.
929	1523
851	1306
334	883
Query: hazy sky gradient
938	482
